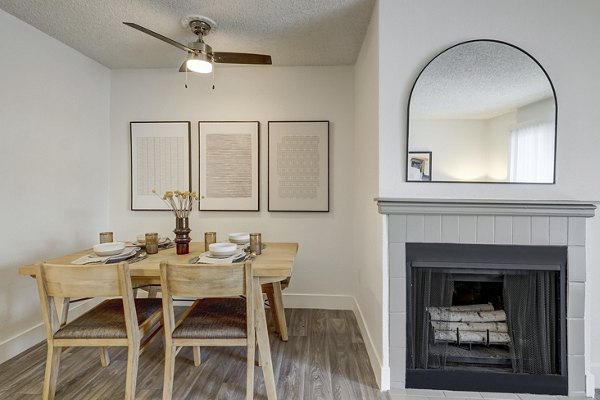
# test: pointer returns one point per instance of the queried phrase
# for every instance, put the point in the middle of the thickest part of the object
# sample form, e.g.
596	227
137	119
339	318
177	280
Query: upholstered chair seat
107	320
214	319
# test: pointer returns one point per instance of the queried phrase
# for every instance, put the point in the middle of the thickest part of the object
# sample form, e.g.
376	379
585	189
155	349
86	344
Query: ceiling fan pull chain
186	71
213	78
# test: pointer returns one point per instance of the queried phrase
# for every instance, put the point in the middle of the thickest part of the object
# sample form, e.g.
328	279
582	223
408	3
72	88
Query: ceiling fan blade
159	36
241	58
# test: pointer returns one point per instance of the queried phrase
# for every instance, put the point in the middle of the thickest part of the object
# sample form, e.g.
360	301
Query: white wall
323	272
54	165
370	292
459	147
558	34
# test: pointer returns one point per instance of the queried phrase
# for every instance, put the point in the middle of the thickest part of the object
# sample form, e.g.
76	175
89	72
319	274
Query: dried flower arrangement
179	202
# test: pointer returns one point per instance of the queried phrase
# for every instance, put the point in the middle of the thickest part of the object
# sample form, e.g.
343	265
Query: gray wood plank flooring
325	358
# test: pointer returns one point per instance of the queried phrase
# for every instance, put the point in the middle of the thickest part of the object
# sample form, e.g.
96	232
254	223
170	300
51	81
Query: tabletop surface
276	260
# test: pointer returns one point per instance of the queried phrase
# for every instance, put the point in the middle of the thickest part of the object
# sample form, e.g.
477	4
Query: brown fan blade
159	36
241	58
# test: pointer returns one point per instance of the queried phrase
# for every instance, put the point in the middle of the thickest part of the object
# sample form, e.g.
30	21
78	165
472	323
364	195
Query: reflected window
532	153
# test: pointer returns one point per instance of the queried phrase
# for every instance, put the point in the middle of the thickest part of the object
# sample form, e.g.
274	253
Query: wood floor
325	358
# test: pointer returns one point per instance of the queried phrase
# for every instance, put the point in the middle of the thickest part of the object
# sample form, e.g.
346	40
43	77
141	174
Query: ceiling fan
200	56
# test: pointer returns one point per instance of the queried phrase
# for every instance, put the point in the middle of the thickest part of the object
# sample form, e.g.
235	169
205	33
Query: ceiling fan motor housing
200	47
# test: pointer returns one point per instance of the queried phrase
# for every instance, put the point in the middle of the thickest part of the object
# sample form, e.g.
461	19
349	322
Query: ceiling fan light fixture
199	63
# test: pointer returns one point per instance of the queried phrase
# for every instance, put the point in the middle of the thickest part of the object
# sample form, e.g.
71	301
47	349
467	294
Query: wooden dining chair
120	321
222	315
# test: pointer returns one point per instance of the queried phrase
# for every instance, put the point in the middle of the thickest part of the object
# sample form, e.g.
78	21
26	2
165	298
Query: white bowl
239	238
109	249
222	249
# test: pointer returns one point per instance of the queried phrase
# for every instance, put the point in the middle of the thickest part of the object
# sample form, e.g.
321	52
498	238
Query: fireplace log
438	314
472	337
470	326
469	307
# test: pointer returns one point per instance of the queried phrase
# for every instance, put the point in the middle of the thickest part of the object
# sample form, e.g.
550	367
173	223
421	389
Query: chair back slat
205	280
81	281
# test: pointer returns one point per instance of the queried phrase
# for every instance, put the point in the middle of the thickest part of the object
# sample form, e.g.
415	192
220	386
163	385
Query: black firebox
487	318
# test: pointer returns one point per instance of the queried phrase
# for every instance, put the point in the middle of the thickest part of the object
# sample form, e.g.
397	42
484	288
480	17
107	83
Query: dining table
274	265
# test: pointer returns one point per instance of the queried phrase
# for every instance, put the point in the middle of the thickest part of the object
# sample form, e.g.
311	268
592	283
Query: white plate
125	254
222	249
109	249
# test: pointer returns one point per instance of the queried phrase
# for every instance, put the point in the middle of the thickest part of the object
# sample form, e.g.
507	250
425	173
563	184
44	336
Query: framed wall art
299	166
229	162
160	161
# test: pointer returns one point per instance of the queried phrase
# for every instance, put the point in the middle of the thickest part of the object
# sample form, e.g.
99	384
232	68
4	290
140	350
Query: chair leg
133	356
51	377
263	342
250	368
197	359
169	372
104	357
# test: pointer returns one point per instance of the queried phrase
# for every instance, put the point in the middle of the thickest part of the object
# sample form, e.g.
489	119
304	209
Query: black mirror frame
513	183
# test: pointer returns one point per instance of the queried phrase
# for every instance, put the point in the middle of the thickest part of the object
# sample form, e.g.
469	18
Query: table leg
279	311
263	340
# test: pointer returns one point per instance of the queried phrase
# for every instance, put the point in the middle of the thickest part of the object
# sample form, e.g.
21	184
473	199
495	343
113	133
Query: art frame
421	161
160	156
228	157
298	166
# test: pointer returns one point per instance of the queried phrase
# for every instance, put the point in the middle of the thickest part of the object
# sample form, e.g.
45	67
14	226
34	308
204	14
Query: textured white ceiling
293	32
481	79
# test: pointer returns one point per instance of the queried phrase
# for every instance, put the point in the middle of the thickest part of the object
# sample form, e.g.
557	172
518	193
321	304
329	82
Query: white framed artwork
228	165
160	161
298	166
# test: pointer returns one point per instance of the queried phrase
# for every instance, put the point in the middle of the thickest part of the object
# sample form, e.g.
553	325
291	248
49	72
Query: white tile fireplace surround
491	222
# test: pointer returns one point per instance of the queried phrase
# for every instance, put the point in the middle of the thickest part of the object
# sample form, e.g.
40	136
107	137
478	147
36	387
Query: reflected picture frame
419	166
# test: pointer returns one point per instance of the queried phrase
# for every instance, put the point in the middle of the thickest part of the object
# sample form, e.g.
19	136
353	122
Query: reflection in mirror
482	111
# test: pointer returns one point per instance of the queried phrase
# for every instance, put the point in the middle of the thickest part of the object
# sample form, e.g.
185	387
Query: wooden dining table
273	265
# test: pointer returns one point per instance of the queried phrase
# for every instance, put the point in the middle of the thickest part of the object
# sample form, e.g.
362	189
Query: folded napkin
93	258
206	258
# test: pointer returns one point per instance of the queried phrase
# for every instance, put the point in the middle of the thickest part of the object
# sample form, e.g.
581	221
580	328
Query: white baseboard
320	301
382	372
32	336
590	385
595	371
21	342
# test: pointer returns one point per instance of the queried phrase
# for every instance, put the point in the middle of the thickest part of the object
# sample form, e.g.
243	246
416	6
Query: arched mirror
482	111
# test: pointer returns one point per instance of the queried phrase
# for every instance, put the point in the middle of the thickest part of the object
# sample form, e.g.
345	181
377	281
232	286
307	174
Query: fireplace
515	225
486	318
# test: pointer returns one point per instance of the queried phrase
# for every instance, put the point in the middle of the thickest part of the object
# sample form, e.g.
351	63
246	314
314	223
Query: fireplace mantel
565	208
492	222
